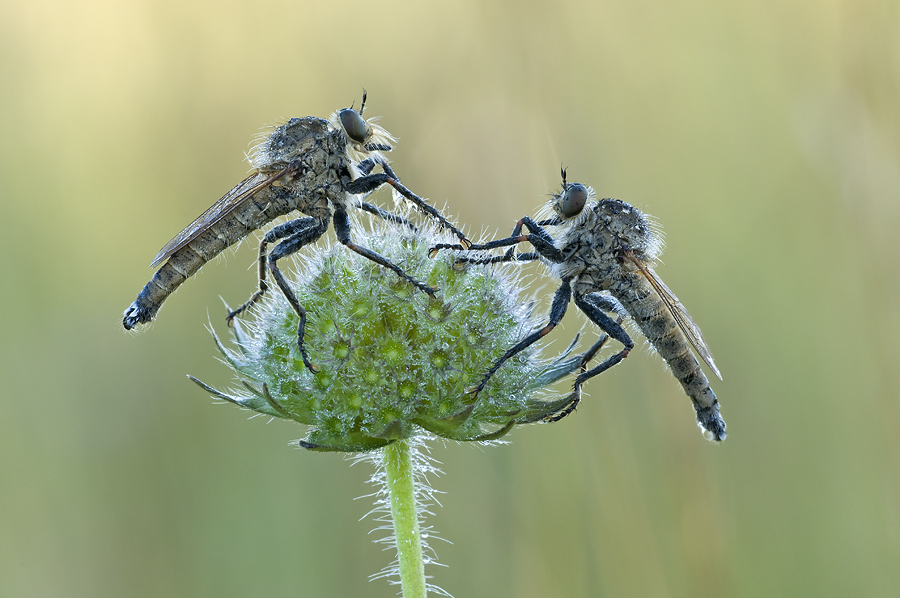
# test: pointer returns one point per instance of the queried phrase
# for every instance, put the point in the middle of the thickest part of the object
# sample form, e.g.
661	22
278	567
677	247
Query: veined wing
687	325
253	184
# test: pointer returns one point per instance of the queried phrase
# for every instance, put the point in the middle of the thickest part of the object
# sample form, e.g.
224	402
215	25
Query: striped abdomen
187	260
658	325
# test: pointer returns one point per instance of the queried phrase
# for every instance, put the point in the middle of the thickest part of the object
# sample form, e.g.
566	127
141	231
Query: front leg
539	238
509	256
370	182
365	167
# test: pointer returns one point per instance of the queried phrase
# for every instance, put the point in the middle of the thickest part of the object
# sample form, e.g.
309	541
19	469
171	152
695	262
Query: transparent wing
250	186
687	325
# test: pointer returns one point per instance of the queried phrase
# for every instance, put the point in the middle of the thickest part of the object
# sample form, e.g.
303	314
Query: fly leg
296	234
342	230
561	408
394	182
593	306
299	237
538	237
477	247
371	182
365	168
557	310
512	240
279	232
509	256
385	215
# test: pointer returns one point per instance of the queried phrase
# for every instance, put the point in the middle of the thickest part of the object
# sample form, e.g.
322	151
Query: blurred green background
764	136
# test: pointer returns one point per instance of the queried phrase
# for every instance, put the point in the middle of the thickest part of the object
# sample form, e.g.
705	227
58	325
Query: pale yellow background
764	135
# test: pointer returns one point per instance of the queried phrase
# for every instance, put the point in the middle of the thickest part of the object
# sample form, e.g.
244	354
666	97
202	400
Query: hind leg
594	306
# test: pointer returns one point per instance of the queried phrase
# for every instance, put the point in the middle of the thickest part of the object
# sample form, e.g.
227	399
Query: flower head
392	361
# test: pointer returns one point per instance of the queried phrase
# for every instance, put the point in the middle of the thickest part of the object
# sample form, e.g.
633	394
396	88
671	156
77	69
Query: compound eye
573	200
354	125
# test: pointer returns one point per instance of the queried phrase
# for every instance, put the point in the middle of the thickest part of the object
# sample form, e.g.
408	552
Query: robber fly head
363	136
620	223
571	206
355	126
570	202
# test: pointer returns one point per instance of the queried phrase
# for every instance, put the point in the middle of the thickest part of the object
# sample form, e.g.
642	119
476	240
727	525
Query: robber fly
310	165
604	253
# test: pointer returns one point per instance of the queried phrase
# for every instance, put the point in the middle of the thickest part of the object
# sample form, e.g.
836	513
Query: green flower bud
391	360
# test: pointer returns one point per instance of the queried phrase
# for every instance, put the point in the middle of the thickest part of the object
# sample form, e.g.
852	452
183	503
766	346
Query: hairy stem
399	474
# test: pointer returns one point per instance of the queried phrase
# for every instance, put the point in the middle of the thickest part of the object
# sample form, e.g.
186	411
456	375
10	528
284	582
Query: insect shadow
311	165
604	252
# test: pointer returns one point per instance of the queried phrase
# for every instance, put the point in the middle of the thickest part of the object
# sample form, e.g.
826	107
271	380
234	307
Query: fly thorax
630	228
296	138
586	249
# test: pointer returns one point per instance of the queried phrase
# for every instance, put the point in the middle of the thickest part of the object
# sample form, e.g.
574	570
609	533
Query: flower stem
400	477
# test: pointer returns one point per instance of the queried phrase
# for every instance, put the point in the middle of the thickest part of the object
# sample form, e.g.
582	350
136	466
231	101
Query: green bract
393	361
